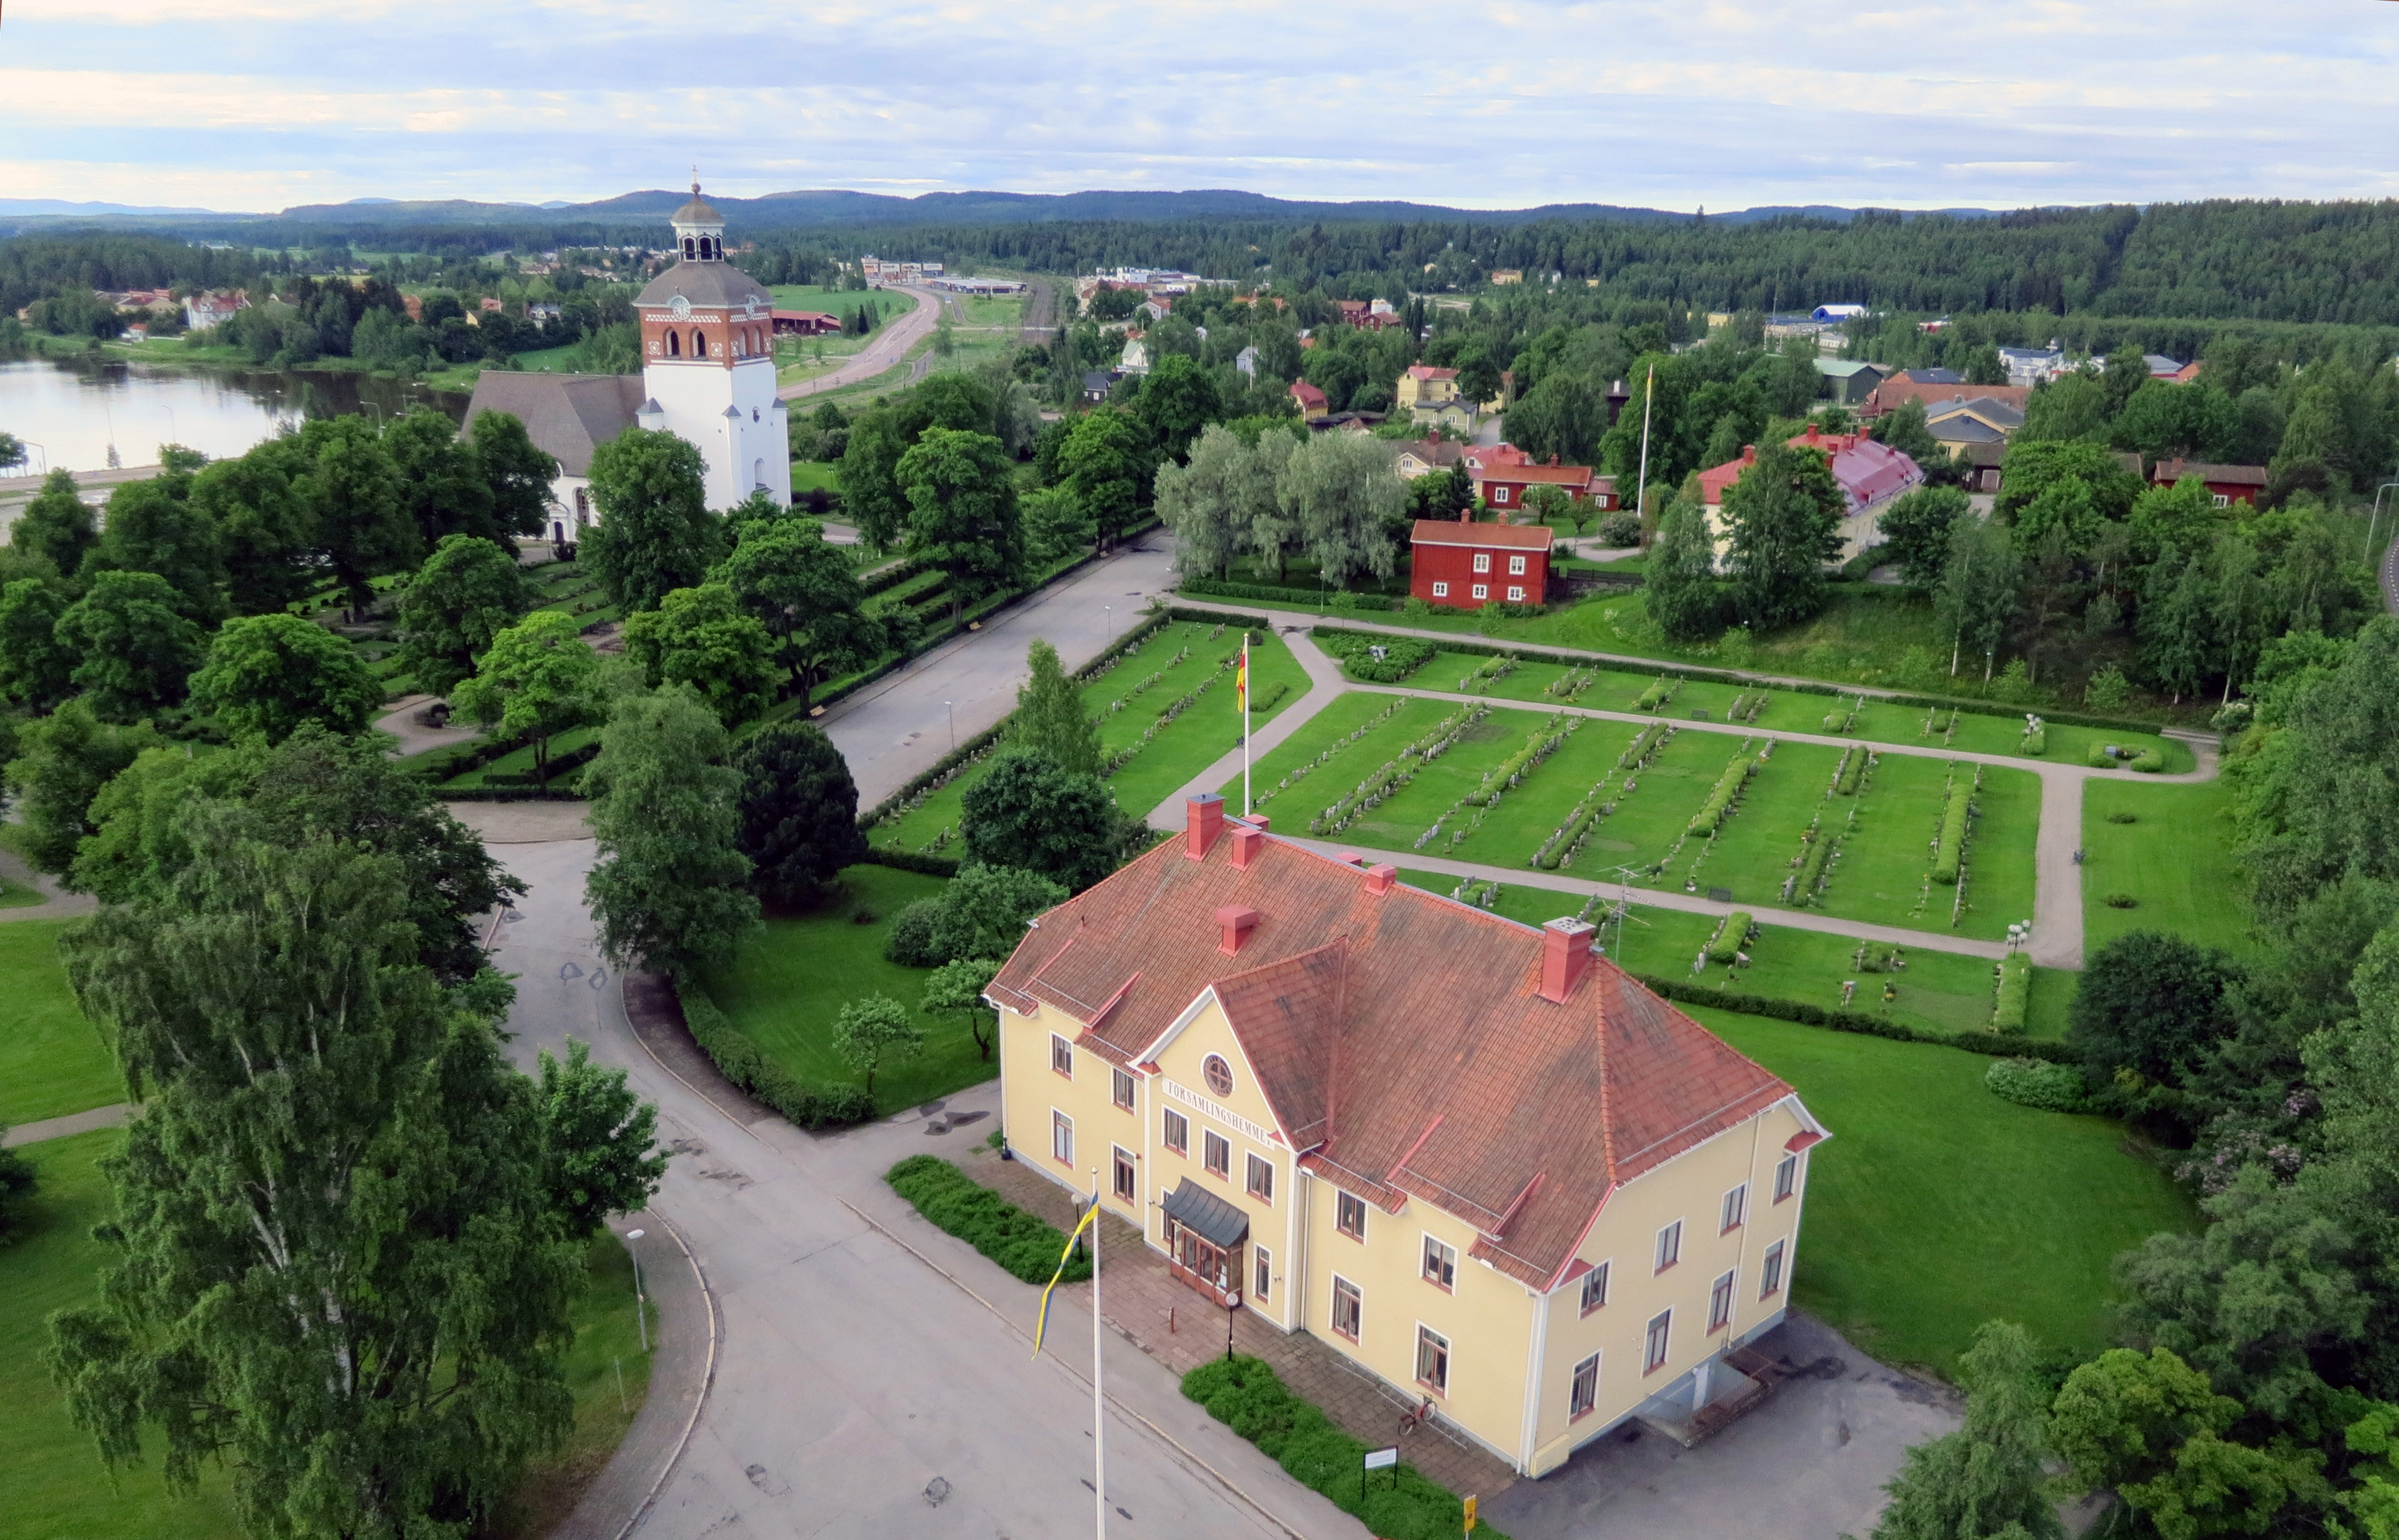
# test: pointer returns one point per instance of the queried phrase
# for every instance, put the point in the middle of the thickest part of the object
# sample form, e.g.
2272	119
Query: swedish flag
1041	1323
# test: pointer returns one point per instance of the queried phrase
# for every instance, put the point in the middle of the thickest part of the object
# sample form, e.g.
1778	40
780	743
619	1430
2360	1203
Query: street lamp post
640	1301
952	708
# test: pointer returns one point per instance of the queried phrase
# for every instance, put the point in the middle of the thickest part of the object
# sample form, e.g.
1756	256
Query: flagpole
1245	724
1098	1408
1640	484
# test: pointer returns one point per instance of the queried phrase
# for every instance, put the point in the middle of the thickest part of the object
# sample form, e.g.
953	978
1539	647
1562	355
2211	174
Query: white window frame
1357	1297
1735	1212
1124	1176
1344	1205
1261	1276
1596	1283
1061	1057
1210	1142
1062	1138
1723	1300
1440	590
1499	494
1257	1177
1657	1342
1770	1274
1438	1344
1515	593
1516	566
1482	591
1166	1133
1481	561
1120	1087
1437	1263
2223	500
1670	1246
1786	1178
1583	1391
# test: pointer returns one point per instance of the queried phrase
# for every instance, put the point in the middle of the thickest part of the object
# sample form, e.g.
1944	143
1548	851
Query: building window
699	343
1348	1308
1440	590
1594	1288
1061	1056
1349	1216
1122	1171
1218	1074
1259	1179
1122	1089
1585	1394
1720	1303
1482	590
1770	1281
2223	500
1516	566
674	344
1499	494
1440	1263
1483	561
1061	1138
1433	1360
1653	1350
690	247
1178	1132
1670	1246
1736	1207
1216	1154
1515	593
1261	1276
1786	1177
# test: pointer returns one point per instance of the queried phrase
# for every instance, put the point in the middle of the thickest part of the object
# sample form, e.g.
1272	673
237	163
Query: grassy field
2175	861
53	1061
1209	729
1936	1206
792	979
15	895
815	476
58	1489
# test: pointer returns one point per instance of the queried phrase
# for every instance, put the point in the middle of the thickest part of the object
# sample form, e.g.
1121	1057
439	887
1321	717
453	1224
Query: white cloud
247	103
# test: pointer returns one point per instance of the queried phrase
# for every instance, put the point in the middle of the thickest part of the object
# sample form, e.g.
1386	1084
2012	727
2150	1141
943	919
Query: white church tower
708	363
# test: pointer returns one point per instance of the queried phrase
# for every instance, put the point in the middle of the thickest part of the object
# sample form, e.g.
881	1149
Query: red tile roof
1307	396
1426	372
1455	532
1870	473
1893	393
1399	1038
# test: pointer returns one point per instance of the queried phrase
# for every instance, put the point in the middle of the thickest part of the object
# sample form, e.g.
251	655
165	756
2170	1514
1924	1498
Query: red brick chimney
1749	455
1380	877
1814	433
1565	957
1247	842
1236	920
1207	820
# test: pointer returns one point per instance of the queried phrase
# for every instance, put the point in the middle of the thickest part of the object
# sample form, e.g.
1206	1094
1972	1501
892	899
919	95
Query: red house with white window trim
1467	567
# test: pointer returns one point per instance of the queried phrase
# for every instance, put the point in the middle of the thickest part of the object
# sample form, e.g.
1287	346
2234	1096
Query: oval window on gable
1218	1073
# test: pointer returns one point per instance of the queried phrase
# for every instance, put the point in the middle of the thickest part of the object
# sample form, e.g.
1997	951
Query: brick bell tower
708	363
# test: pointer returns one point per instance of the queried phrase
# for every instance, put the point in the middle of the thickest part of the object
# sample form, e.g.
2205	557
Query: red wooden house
2227	484
1470	565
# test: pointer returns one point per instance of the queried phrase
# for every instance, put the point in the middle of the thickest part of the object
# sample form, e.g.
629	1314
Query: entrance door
1213	1270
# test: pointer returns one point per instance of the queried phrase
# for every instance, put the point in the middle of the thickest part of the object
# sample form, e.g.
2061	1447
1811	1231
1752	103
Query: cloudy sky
255	104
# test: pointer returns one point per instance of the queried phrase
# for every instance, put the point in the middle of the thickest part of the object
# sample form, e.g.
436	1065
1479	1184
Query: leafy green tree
1106	462
806	594
1983	1482
1050	716
2181	518
671	889
2163	419
2120	1418
1177	401
2070	406
1978	591
35	668
962	518
799	813
1056	524
355	499
55	526
133	648
18	1181
2178	640
1204	501
1904	428
599	1142
2030	470
538	680
1915	532
1681	592
469	591
655	533
154	528
1340	491
2315	438
442	486
2126	371
984	909
959	987
2298	806
701	638
265	522
1029	811
517	471
337	1269
62	761
2153	1003
1784	514
267	674
1561	415
874	1031
870	488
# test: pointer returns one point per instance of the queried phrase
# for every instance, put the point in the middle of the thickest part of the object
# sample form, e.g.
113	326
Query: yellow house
1473	1156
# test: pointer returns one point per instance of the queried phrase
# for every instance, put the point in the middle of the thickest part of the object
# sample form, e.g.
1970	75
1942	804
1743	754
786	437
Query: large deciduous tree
655	533
1029	811
62	761
134	650
56	525
1204	499
1784	515
355	498
702	638
1681	593
983	910
1177	400
265	522
467	592
962	515
518	472
1916	533
36	670
538	679
154	528
799	813
1978	591
1339	489
1106	462
441	485
267	674
671	889
806	594
1983	1482
599	1152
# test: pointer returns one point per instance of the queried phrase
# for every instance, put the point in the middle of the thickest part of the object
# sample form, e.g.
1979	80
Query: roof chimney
1206	821
1565	957
1247	842
1749	455
1236	920
1815	432
1380	877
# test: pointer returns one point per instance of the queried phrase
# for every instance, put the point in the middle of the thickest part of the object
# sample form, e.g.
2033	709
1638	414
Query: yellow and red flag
1241	678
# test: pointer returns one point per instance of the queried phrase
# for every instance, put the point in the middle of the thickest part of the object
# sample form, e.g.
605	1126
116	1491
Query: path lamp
641	1304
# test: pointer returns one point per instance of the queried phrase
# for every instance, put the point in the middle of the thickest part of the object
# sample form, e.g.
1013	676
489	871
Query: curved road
888	348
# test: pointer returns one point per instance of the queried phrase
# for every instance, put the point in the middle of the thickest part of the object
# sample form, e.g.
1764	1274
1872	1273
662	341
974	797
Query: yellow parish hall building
1476	1158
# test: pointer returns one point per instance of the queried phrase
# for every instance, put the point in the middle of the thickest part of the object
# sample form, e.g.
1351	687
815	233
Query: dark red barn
1471	565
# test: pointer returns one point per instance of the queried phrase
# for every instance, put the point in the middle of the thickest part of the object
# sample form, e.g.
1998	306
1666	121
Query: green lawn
2175	861
58	1489
53	1061
790	982
1206	731
17	895
815	476
1936	1206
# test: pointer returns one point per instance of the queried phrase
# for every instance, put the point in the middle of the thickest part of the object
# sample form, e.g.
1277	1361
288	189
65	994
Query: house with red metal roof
1871	475
1467	566
2227	484
1472	1156
1311	400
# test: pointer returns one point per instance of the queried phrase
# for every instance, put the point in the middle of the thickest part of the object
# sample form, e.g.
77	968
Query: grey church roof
568	415
697	211
706	285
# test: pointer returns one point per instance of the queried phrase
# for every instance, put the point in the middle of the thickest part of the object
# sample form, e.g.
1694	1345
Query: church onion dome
706	285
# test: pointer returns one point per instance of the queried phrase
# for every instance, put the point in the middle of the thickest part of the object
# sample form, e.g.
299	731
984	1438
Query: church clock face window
1218	1074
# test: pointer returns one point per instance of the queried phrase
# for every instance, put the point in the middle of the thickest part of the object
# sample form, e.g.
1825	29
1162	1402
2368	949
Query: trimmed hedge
1952	854
1210	588
890	577
1402	656
1729	784
1246	1394
2050	1085
1730	936
2015	993
910	860
740	1060
1026	1247
1857	1021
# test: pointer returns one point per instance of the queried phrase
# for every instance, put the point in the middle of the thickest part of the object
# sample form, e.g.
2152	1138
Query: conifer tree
1050	715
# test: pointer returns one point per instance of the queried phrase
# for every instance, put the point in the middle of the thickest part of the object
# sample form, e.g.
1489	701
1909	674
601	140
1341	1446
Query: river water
72	414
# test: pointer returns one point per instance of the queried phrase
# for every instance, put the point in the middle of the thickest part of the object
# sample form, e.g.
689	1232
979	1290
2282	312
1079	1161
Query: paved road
2391	579
889	348
895	728
861	1391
